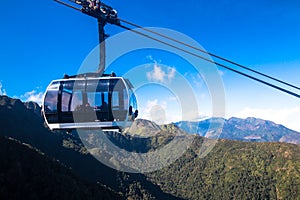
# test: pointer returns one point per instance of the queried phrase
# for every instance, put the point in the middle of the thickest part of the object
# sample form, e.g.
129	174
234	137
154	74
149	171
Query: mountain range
36	160
23	122
249	129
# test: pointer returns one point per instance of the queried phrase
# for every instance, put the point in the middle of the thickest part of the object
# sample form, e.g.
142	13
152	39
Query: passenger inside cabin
84	108
88	107
104	107
132	115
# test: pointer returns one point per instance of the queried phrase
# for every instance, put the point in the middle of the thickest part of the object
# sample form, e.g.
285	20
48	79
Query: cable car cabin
105	103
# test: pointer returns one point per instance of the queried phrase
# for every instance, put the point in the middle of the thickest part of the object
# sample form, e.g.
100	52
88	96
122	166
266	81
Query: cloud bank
2	90
34	96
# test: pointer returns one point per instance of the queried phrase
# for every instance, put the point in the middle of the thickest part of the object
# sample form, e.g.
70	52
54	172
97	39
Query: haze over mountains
250	129
232	170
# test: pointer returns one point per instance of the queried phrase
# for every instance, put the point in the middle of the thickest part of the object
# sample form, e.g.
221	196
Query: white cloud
2	90
221	73
171	73
151	103
195	79
288	117
153	110
160	112
33	96
159	75
150	57
168	110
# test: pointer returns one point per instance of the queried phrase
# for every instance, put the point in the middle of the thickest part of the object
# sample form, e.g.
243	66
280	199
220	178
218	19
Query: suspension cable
199	56
208	53
68	5
208	60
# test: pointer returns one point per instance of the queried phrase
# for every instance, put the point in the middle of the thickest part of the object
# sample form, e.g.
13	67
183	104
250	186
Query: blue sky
42	40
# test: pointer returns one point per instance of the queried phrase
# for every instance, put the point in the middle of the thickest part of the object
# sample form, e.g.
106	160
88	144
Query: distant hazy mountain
250	129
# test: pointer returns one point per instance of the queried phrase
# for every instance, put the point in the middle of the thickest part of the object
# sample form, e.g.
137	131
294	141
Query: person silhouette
104	107
132	115
130	111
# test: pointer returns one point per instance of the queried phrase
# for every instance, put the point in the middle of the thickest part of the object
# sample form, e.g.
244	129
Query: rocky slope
232	169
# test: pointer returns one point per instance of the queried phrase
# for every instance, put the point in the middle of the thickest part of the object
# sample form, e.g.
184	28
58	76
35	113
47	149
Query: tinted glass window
115	100
65	101
76	100
79	85
102	85
50	103
68	86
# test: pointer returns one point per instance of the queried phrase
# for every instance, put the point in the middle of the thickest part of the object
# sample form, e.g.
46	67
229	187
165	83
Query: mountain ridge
249	129
231	170
25	125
